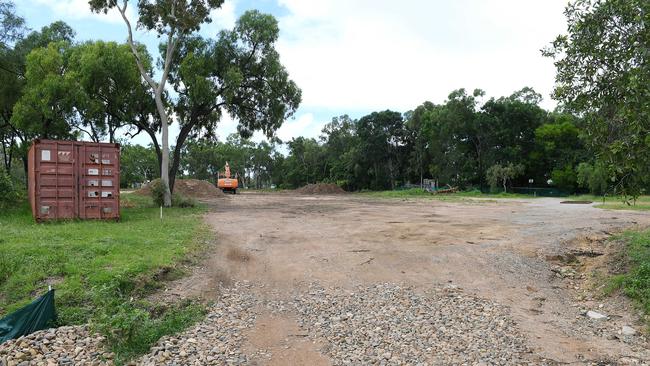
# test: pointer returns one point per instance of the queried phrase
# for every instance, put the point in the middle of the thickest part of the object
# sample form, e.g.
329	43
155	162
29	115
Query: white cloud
303	125
222	18
380	54
79	9
227	125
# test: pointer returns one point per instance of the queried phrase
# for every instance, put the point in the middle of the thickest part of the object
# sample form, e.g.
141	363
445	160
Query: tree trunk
180	141
164	166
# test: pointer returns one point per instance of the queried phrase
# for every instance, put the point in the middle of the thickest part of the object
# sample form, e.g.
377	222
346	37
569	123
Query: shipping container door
55	184
98	188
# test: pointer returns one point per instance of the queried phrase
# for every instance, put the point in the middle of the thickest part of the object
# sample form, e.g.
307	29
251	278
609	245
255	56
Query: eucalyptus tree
239	72
173	20
603	74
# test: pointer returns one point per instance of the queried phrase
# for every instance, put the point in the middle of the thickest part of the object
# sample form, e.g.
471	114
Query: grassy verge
102	270
635	283
616	202
417	192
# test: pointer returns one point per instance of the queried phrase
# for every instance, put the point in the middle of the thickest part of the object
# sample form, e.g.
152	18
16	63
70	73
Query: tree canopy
603	75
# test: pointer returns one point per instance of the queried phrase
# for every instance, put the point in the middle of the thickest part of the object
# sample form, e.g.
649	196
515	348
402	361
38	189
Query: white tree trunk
158	89
164	167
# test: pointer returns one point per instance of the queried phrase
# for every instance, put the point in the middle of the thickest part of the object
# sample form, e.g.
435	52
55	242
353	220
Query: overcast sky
358	56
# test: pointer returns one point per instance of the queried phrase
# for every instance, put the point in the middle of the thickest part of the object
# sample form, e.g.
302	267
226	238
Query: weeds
635	283
103	270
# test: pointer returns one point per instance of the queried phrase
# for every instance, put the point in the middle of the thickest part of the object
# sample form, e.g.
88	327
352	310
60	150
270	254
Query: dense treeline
467	142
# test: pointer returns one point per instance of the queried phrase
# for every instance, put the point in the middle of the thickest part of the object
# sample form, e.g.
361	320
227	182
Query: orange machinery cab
226	183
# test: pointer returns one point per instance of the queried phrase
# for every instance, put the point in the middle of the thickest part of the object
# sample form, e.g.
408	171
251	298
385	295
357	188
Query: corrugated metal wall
74	179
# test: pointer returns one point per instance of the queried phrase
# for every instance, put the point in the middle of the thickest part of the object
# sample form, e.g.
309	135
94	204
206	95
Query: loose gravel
217	340
382	324
71	345
389	324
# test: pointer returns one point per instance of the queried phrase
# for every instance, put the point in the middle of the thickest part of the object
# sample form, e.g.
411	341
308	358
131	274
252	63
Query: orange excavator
225	183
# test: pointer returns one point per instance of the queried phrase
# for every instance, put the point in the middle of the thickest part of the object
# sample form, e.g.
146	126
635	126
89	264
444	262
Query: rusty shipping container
74	179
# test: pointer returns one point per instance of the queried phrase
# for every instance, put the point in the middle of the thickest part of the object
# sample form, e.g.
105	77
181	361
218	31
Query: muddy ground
538	257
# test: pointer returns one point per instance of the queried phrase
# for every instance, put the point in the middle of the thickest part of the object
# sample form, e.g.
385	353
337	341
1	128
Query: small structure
74	180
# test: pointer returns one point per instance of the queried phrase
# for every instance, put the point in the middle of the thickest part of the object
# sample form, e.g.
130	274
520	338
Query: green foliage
138	164
602	74
131	328
97	267
635	283
9	193
46	108
565	179
12	26
593	177
379	136
181	201
305	162
499	175
257	165
158	188
15	135
157	15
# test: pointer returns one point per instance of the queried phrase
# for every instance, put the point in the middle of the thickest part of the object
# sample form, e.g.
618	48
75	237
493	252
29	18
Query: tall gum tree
173	20
239	73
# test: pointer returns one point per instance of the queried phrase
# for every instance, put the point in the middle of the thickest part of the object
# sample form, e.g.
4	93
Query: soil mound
320	188
191	188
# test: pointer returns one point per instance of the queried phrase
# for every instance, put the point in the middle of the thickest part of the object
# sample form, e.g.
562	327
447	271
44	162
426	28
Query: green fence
540	192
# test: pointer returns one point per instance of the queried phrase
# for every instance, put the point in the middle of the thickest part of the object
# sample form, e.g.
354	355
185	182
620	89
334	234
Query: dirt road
526	255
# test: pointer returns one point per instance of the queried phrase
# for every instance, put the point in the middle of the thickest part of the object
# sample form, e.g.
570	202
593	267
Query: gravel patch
217	340
387	324
70	345
382	324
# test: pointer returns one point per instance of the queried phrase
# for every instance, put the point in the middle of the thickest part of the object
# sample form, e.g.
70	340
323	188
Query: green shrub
635	282
565	178
132	327
593	177
9	193
158	188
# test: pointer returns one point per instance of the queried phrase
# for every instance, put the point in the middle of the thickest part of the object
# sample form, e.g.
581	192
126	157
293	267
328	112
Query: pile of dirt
320	188
191	188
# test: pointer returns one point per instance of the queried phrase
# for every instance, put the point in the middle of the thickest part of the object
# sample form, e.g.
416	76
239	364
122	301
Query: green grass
635	283
102	270
421	193
616	202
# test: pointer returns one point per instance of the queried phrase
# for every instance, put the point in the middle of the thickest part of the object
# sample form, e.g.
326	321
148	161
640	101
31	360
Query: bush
635	282
499	174
565	179
9	194
158	188
132	327
594	177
